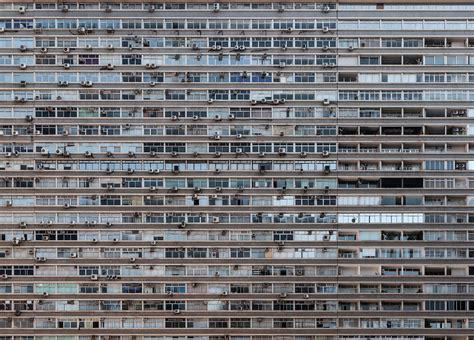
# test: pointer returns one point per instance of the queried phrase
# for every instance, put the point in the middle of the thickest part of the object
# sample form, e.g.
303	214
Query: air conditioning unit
22	9
176	311
151	9
110	47
40	259
23	66
231	116
44	152
89	47
94	277
44	50
325	9
216	7
325	29
239	151
325	154
281	151
152	83
23	48
238	136
67	66
73	255
303	154
153	188
253	102
2	29
210	101
63	83
110	67
23	224
217	117
326	101
215	219
86	83
65	8
182	225
82	30
132	259
261	154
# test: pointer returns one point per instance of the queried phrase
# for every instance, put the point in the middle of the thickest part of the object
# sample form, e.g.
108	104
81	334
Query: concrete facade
236	170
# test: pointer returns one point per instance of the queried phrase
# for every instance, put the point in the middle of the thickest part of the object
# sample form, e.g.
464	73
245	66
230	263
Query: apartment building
236	170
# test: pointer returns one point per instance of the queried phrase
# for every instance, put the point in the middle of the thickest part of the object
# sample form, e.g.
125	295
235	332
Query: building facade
236	170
